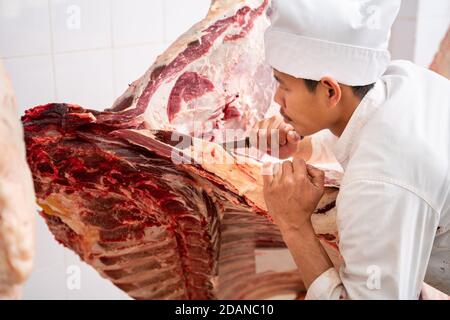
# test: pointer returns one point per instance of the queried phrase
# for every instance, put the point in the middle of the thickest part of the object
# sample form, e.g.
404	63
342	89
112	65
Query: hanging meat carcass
441	61
17	206
158	228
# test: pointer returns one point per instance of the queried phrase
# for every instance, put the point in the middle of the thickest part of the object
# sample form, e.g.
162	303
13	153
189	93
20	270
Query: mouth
286	118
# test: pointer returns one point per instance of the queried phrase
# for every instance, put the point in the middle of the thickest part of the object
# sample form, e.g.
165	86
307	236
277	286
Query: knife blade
236	144
183	141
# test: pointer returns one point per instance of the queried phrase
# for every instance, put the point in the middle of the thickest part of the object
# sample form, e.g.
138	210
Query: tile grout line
125	46
52	51
52	47
113	56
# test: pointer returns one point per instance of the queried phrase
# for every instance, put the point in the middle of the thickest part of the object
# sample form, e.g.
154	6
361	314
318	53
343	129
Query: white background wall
52	58
418	30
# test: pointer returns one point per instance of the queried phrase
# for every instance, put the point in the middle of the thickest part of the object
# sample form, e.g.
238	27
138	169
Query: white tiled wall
419	29
177	21
84	52
432	23
132	26
33	79
403	36
88	51
80	25
85	78
24	28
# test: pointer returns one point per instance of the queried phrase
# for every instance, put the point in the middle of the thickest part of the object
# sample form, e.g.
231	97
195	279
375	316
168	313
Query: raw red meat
441	61
111	192
156	229
210	79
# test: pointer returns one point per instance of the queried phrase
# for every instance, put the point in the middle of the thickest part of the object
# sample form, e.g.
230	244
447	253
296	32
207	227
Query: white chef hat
344	39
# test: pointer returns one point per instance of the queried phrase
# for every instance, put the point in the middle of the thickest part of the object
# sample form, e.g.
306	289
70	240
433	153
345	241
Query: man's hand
292	193
287	137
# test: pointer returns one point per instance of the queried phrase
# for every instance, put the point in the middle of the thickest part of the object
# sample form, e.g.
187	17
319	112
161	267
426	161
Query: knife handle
244	143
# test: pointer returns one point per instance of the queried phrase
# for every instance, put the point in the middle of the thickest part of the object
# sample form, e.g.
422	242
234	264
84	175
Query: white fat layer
17	207
236	68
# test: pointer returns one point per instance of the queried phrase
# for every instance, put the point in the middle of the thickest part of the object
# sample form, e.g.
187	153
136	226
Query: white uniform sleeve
322	147
386	235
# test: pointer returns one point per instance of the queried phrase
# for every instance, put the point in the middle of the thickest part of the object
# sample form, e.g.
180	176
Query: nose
279	97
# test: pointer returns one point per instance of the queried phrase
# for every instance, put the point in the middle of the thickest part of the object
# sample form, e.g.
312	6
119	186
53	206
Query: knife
184	141
235	144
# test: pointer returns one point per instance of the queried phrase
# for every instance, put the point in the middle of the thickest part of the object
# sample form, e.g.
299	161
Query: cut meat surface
212	78
154	228
441	61
16	198
187	88
158	221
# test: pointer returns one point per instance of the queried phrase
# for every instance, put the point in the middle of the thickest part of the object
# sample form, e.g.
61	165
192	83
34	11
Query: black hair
359	91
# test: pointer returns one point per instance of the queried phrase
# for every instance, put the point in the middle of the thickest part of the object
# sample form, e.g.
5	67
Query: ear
332	90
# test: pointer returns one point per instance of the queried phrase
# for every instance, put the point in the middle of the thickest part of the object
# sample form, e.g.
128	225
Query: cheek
302	112
294	105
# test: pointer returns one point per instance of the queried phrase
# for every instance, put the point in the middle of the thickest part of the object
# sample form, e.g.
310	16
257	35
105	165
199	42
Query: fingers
287	169
268	123
272	130
284	129
267	174
317	176
292	137
276	171
302	169
299	166
261	133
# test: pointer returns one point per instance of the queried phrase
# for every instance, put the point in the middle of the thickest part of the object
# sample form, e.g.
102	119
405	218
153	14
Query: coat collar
367	107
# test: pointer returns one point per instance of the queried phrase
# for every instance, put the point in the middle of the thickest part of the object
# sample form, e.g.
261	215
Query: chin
299	129
304	132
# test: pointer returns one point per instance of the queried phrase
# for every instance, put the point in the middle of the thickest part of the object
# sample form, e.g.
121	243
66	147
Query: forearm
308	253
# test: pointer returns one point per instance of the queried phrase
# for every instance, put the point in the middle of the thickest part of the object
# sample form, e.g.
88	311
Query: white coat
393	209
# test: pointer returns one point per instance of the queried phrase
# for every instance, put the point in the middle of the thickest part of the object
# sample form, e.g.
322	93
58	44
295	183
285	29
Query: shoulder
408	68
405	74
405	159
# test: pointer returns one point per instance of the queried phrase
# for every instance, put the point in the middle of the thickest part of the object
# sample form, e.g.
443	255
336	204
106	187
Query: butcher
387	123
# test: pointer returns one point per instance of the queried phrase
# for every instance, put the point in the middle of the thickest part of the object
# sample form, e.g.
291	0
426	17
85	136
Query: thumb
293	137
317	176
